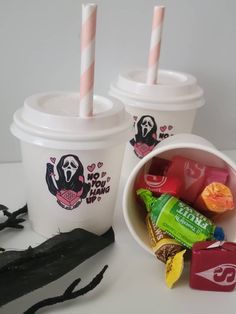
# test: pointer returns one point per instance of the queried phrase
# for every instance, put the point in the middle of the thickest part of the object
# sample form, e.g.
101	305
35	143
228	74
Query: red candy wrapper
159	184
213	266
159	166
192	175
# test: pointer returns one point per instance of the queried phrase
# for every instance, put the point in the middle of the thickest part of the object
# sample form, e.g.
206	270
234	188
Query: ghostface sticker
146	137
66	181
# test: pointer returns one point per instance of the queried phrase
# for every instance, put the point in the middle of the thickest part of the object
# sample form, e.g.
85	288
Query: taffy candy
213	266
214	174
191	173
216	197
167	250
179	220
159	184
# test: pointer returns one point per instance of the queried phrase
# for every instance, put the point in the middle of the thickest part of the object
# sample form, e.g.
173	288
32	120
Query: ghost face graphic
146	137
70	166
146	126
67	182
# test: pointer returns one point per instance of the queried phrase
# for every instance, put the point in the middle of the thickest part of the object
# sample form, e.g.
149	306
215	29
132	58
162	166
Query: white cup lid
174	91
54	116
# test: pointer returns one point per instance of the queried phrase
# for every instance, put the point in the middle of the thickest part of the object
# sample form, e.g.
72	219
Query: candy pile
182	197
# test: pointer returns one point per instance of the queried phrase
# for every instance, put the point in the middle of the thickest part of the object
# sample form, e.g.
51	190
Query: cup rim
70	130
183	94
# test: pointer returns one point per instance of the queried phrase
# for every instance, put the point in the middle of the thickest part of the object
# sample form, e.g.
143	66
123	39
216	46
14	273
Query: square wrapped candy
192	175
214	174
213	266
159	166
159	184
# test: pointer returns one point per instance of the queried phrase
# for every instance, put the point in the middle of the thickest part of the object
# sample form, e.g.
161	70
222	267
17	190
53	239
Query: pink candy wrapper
214	174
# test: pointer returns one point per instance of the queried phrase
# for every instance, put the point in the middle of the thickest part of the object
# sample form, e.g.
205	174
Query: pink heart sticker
91	167
99	198
163	128
108	179
103	174
135	118
100	164
170	127
53	159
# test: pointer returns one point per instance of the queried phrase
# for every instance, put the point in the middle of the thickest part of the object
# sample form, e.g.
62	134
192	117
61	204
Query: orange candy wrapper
216	198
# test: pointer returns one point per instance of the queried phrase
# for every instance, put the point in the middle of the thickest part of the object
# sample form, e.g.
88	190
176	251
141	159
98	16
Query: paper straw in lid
155	45
88	33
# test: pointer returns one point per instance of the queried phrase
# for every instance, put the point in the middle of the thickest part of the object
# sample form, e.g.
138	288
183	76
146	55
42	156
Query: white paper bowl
186	145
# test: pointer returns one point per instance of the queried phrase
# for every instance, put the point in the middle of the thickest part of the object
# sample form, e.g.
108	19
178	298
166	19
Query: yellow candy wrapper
167	250
163	246
174	268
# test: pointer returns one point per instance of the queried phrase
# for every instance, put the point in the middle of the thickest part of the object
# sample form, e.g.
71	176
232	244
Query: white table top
133	283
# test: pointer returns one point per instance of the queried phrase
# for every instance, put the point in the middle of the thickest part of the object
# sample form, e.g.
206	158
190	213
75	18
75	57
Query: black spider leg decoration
69	293
12	220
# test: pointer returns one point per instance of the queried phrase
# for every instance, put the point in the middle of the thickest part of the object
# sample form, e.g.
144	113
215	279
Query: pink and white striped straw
88	33
155	45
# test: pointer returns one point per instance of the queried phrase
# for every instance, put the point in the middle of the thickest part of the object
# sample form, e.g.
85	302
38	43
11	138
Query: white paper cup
72	165
186	145
158	110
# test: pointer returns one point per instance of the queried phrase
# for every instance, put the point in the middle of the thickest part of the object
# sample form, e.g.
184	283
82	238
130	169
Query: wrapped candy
161	243
216	198
195	176
192	175
159	184
167	250
174	268
179	220
213	266
214	174
159	166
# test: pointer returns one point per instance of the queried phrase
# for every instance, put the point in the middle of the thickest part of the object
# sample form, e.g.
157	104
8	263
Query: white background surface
40	51
133	283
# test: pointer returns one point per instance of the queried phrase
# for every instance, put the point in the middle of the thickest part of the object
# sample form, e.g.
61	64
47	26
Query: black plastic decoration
24	271
12	221
69	293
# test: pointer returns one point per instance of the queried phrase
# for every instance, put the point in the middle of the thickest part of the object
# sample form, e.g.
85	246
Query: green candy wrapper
179	220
